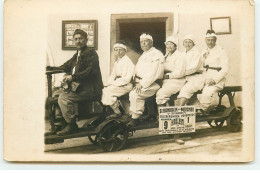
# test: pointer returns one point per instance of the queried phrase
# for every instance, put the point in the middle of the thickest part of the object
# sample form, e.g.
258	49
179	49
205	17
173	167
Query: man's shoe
132	122
69	128
116	110
200	112
113	116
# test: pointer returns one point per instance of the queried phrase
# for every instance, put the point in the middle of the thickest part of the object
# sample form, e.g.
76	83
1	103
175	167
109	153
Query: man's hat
81	32
146	36
171	39
120	44
189	37
210	33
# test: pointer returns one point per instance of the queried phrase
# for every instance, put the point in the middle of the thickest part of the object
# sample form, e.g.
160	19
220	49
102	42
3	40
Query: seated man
148	69
216	68
174	71
119	82
194	68
83	78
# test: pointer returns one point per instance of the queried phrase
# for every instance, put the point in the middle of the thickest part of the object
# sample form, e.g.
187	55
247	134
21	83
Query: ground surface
205	140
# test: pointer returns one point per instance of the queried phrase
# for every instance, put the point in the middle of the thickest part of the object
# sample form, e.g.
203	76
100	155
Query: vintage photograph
170	81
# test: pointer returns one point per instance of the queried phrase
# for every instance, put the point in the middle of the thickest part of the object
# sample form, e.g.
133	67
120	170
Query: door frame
137	17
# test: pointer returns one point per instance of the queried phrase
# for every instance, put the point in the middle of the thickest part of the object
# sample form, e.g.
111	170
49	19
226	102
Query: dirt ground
205	140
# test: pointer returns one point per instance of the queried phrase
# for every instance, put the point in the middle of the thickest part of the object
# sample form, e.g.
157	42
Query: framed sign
177	119
68	28
221	25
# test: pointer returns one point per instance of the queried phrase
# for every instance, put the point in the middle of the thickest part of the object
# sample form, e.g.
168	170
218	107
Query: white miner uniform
217	58
174	66
118	83
148	69
194	80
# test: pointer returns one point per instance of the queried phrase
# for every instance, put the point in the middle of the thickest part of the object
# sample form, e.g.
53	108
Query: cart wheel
217	123
214	109
93	140
112	138
234	122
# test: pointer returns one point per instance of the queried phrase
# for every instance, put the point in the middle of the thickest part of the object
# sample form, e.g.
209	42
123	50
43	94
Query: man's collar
118	59
150	49
83	49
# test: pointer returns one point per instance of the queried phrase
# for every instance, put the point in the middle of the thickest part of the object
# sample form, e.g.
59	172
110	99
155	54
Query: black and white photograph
129	81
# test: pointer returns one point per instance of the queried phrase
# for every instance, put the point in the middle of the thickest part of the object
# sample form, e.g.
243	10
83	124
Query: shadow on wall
132	52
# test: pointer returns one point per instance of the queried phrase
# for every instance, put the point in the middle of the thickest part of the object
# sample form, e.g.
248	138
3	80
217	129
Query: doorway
129	27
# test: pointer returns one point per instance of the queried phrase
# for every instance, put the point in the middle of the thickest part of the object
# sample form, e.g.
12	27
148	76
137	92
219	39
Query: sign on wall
68	28
177	119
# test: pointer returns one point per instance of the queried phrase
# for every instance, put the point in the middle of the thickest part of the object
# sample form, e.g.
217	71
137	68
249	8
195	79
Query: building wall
189	17
189	21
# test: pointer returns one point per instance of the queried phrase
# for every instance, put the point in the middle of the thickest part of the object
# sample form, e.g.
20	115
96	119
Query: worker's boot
115	108
69	128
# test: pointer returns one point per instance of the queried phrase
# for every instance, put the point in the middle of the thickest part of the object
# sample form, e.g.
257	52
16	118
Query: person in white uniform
193	73
216	69
149	68
174	72
119	82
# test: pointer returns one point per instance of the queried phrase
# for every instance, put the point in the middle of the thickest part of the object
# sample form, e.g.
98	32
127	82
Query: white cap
171	39
146	36
189	37
210	33
119	45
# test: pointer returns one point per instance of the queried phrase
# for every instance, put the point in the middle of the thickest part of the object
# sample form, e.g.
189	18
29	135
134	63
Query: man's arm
194	64
91	61
224	66
155	71
178	68
66	67
128	70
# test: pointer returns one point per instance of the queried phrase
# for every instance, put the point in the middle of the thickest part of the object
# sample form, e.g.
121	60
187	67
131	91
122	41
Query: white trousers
137	100
209	94
169	87
110	93
193	84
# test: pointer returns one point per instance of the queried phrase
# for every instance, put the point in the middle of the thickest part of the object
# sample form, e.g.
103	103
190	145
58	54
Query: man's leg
137	100
69	108
206	98
170	87
193	85
111	93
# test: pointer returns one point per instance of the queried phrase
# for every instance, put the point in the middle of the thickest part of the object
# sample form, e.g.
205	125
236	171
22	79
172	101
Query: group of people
180	72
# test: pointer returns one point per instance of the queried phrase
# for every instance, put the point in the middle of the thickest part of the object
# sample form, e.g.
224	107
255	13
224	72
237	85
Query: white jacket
174	65
193	60
122	72
149	67
217	57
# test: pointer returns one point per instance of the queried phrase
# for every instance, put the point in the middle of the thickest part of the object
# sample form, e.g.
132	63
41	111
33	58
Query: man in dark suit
84	80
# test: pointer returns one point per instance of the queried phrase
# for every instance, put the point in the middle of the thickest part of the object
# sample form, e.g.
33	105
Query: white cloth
137	100
194	82
149	68
171	39
120	45
216	57
119	81
189	37
174	66
111	93
122	72
146	36
193	60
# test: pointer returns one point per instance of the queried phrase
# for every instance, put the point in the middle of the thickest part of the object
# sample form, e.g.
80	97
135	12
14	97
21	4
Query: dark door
130	32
